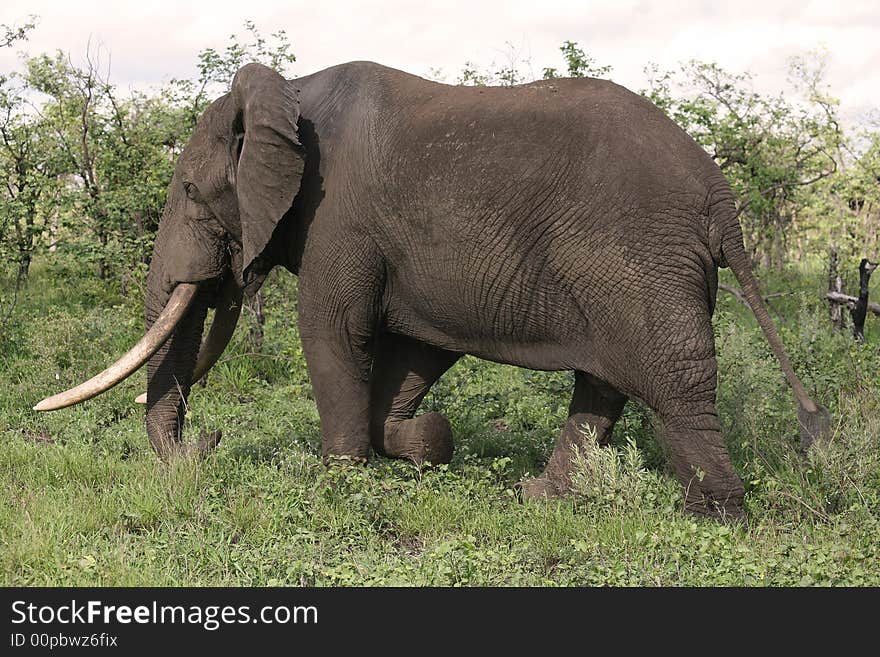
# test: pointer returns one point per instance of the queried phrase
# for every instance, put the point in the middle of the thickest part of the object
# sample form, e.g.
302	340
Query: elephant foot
726	509
166	448
207	443
424	439
724	514
169	450
539	488
342	461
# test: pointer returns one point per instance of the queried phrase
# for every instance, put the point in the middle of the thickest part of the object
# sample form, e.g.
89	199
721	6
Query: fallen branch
742	297
847	300
795	498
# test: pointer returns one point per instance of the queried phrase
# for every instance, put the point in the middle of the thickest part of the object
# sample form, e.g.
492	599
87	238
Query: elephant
564	224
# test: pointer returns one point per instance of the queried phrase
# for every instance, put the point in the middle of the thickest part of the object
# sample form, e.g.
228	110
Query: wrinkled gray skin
558	225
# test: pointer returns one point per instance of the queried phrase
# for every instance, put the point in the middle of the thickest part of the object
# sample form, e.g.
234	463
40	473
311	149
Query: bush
616	479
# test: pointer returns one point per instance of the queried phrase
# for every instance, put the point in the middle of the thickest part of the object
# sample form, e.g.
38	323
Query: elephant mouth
227	299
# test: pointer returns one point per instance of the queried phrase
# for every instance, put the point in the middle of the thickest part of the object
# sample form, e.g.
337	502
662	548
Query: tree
110	155
772	151
578	64
24	165
217	68
27	169
11	34
472	76
75	111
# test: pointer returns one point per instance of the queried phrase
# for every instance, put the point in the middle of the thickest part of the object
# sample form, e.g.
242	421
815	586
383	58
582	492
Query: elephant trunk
170	369
169	374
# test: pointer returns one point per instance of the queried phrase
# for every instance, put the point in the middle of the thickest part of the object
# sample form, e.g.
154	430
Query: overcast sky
153	40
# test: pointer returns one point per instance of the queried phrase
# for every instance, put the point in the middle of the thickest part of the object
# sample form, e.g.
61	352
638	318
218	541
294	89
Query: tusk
222	328
225	319
177	305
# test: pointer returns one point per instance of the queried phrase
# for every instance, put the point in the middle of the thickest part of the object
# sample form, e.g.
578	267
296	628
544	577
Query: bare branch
742	297
787	185
850	302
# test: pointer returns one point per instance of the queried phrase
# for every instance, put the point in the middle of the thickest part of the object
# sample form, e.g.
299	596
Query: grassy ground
85	502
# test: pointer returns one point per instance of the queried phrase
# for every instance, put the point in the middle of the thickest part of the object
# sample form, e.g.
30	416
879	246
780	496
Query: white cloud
153	40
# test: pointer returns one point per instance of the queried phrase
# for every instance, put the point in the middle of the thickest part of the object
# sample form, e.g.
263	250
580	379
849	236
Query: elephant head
232	184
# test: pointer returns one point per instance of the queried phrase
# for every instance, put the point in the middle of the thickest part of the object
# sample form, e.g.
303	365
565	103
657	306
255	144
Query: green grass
85	502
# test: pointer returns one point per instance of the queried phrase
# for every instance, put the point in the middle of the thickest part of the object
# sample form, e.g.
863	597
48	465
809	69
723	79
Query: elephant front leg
339	307
340	378
403	371
594	404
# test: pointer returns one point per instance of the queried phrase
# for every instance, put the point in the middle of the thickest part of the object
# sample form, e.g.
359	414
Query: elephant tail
726	244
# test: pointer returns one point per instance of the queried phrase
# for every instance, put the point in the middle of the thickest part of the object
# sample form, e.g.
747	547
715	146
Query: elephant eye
192	192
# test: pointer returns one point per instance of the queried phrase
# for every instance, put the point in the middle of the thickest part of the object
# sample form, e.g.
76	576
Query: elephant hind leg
403	371
682	392
697	452
594	404
702	464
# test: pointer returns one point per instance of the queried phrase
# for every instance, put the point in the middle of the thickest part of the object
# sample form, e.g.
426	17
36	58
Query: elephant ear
272	159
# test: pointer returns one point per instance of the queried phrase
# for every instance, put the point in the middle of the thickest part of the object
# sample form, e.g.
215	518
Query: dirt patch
42	436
